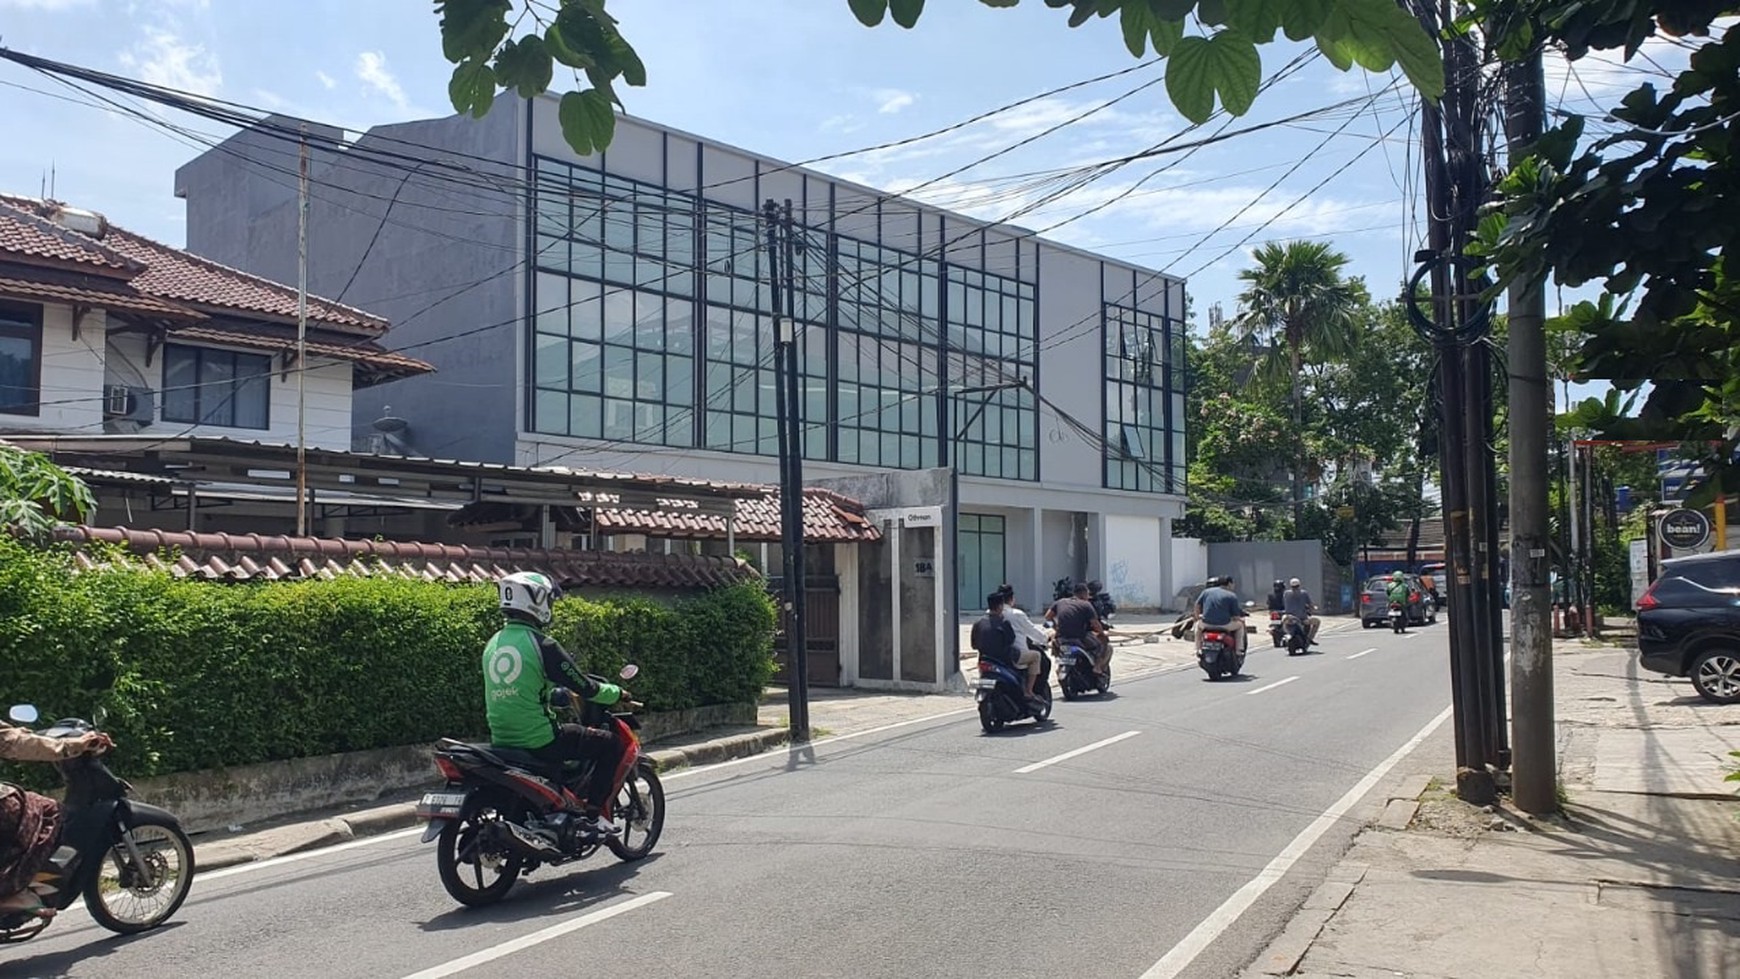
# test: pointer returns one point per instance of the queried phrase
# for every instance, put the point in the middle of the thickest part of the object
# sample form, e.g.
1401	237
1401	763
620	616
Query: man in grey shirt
1218	608
1297	603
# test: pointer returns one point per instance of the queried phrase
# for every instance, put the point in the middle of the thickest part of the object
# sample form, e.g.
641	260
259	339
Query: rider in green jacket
522	667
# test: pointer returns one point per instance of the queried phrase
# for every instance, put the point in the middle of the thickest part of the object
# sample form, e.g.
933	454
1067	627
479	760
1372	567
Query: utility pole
302	335
1534	775
781	259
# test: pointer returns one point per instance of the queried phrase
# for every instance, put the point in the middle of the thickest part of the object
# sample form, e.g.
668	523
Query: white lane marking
1066	756
538	937
1410	635
200	875
1363	652
1211	927
1277	683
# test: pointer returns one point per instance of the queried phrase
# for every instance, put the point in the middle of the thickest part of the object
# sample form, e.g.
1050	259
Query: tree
35	493
490	53
1297	301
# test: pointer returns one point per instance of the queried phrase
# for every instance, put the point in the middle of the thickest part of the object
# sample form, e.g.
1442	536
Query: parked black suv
1688	624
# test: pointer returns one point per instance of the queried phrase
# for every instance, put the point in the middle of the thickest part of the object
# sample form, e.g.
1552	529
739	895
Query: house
107	331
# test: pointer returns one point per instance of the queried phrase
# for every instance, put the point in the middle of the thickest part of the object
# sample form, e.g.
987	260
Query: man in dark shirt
1077	621
1300	606
994	639
1218	608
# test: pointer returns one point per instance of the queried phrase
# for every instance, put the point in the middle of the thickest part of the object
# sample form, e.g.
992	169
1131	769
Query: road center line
1277	683
1066	756
1363	652
538	937
1410	635
248	868
1204	934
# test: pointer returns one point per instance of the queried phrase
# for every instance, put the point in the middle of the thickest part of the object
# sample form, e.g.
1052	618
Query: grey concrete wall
447	259
1255	565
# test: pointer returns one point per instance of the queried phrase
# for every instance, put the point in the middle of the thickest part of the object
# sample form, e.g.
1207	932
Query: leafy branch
35	494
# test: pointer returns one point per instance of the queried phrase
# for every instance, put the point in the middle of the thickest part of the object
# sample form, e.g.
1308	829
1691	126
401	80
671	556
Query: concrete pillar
1037	592
1168	587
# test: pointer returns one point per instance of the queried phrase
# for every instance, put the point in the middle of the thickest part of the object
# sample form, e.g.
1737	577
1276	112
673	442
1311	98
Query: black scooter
130	861
1075	671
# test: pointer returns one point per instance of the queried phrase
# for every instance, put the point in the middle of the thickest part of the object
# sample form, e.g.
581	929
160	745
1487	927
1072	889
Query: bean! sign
1685	529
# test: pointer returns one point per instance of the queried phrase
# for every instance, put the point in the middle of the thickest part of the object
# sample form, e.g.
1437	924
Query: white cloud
371	68
163	58
49	5
326	81
892	100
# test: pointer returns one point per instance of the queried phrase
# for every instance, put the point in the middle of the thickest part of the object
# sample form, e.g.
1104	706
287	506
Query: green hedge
197	675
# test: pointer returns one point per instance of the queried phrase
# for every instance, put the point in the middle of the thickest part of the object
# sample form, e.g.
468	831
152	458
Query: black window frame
200	386
27	326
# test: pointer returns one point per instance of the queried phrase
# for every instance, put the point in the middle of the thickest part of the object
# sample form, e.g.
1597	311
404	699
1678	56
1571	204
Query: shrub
196	675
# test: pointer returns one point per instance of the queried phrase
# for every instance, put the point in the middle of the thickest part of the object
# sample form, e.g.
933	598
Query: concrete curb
311	835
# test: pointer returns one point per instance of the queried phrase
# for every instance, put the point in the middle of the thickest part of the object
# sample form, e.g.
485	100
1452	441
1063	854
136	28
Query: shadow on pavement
556	891
1021	729
55	964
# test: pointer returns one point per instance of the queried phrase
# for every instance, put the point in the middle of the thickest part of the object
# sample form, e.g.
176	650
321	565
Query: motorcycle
1000	693
1220	654
1275	627
1398	618
505	813
1294	632
131	862
1075	671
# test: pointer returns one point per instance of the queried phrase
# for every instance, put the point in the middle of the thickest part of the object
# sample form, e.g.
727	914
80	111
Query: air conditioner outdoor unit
123	401
117	401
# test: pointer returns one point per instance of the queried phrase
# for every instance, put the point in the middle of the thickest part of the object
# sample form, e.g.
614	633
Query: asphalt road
926	850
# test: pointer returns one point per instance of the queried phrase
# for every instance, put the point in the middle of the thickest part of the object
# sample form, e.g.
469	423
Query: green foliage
1734	776
35	494
197	675
1221	63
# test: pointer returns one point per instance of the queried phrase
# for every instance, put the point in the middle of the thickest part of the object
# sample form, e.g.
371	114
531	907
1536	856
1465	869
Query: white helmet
1293	583
529	594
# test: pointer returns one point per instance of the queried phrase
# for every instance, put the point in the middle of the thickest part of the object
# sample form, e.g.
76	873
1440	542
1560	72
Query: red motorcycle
505	813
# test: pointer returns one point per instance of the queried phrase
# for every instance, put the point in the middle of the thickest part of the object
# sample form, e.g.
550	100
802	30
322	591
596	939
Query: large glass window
980	550
216	387
889	380
1142	452
993	324
20	359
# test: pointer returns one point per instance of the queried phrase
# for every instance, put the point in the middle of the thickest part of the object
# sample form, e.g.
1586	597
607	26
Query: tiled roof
828	516
250	557
183	275
24	232
366	353
101	293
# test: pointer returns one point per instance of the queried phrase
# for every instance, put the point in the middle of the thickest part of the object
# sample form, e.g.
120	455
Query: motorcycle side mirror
23	714
629	672
99	717
1250	605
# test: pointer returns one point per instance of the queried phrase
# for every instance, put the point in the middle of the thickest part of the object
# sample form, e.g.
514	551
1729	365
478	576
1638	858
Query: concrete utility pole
301	336
1533	769
782	260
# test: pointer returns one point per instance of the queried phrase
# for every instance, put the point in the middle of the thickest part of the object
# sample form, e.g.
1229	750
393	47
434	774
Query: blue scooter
1001	693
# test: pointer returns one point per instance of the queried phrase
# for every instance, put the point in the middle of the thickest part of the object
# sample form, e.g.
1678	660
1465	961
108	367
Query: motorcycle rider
30	823
1078	621
1217	607
994	639
1397	592
521	668
1278	597
1025	630
1297	603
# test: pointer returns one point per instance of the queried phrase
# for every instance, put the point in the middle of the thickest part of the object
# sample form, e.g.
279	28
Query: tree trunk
1298	431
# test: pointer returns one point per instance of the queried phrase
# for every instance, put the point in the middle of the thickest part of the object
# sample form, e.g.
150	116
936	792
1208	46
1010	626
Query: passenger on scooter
30	823
994	639
1398	591
1077	621
1025	630
1218	608
521	668
1278	597
1299	605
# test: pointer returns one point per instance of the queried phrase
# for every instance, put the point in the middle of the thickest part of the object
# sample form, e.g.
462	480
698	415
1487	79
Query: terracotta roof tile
828	516
368	354
249	557
25	232
101	293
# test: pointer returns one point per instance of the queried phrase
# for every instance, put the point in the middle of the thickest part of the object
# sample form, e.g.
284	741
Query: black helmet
1280	585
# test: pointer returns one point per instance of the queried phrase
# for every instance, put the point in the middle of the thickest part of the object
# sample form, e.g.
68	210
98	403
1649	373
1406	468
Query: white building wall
1133	558
72	375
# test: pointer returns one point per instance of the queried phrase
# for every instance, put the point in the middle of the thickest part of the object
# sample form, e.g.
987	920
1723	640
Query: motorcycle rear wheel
459	837
641	806
155	891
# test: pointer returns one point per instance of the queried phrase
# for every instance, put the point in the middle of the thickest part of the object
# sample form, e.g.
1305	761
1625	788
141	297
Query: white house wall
72	375
1133	574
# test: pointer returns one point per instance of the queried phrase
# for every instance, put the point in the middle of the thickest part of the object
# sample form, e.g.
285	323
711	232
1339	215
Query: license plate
1067	659
441	804
987	683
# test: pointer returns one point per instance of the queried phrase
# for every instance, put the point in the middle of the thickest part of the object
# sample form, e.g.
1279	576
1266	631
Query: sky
796	79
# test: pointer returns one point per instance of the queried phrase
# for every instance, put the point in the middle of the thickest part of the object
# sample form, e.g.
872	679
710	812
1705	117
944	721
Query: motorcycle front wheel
472	874
145	876
640	805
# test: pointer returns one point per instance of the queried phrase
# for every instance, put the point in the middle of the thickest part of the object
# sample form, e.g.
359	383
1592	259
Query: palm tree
1297	300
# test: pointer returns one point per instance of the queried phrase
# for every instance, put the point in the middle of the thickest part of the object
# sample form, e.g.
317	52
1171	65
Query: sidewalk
1638	878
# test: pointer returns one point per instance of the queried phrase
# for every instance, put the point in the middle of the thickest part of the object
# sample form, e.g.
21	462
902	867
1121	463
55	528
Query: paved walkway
1637	879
